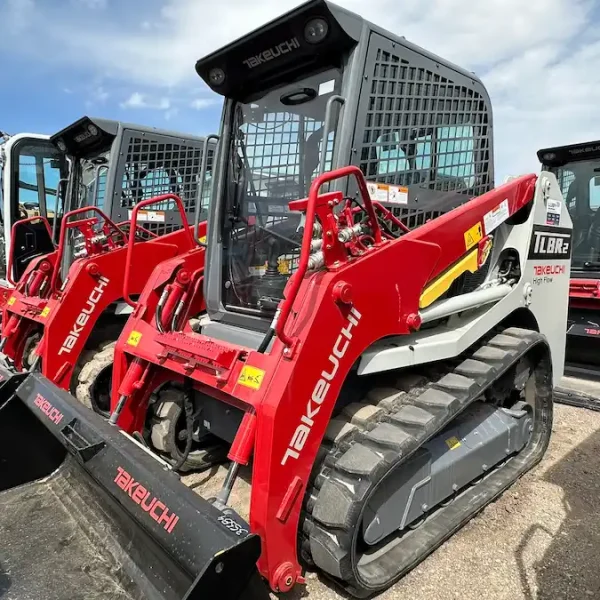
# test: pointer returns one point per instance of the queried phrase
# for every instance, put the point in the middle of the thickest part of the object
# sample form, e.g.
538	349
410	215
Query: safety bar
63	232
286	305
202	177
122	225
156	200
59	207
327	129
9	266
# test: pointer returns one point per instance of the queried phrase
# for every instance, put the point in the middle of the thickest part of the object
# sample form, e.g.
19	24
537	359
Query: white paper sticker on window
326	87
496	217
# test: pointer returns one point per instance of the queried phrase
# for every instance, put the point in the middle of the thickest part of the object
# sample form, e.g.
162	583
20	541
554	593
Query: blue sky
134	60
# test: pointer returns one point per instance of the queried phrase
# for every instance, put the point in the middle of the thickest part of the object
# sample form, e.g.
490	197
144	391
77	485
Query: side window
455	153
36	173
594	193
51	183
565	179
390	157
27	187
141	184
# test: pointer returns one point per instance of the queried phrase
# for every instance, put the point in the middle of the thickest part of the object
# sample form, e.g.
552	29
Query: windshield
37	168
275	150
580	186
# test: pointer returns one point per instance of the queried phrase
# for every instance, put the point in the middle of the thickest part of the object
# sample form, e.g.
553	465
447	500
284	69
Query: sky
133	60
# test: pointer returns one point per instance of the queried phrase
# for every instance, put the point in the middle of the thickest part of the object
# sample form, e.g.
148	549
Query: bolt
484	467
424	507
289	580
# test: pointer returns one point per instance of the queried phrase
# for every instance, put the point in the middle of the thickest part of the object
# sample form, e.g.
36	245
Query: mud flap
87	512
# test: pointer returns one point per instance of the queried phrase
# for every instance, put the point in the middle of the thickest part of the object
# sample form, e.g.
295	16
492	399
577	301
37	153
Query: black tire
93	377
167	421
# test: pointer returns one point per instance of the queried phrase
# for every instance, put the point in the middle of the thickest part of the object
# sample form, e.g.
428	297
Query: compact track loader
381	337
68	308
577	169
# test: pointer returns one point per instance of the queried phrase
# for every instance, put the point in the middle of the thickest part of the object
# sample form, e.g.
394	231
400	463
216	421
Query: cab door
37	174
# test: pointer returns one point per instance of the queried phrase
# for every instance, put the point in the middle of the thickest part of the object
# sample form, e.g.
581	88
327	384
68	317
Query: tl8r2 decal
550	243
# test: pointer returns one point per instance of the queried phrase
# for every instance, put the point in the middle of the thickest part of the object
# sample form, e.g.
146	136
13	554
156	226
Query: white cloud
137	100
200	103
536	58
17	15
92	4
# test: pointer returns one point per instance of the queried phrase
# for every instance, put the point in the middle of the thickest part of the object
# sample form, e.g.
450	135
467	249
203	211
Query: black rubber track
369	440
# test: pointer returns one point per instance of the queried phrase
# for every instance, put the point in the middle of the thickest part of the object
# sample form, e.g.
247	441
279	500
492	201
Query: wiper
588	266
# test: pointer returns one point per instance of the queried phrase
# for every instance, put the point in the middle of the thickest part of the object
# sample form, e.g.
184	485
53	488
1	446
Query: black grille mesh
424	130
154	168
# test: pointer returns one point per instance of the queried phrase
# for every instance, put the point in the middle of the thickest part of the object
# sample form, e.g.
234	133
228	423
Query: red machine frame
288	394
41	299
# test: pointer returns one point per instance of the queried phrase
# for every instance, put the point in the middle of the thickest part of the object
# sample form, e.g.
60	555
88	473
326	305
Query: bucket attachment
88	512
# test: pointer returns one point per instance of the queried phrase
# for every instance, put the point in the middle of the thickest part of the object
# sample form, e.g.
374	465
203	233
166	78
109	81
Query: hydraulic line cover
87	512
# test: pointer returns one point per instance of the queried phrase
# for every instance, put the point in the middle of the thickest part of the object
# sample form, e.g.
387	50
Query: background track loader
577	169
69	306
384	373
31	171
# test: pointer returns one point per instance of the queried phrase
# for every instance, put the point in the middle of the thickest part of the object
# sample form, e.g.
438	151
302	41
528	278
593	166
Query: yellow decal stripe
453	443
251	377
473	236
134	338
442	284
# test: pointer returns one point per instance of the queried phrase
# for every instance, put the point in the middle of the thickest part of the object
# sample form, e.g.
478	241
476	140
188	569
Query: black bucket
88	513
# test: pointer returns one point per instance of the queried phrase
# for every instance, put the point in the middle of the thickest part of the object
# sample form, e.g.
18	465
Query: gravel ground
539	541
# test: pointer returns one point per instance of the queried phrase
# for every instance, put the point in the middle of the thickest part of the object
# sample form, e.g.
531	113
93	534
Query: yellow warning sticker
46	311
473	236
202	239
453	443
251	377
134	338
11	301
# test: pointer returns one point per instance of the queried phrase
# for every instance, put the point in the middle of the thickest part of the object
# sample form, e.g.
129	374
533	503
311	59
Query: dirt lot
540	541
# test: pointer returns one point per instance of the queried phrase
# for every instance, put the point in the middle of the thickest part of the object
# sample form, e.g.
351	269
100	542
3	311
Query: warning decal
154	216
387	194
134	338
473	236
251	377
453	443
496	217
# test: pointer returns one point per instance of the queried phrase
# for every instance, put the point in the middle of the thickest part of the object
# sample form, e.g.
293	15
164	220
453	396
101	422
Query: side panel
423	126
542	292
